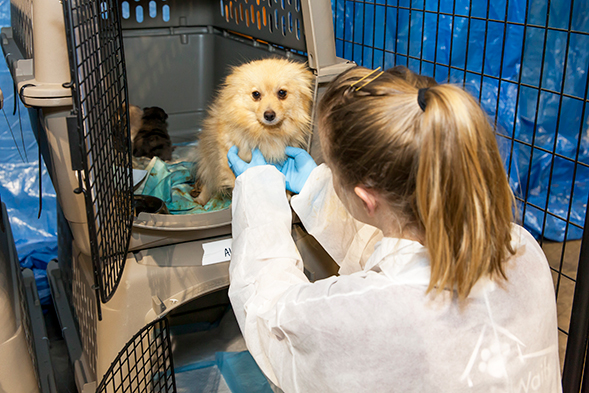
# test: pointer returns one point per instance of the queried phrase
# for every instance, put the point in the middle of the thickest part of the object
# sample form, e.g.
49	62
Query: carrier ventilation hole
223	13
152	9
282	3
283	25
264	16
270	23
276	20
125	9
259	21
298	30
253	14
166	13
247	18
230	10
226	13
269	3
241	18
290	24
297	5
139	14
258	1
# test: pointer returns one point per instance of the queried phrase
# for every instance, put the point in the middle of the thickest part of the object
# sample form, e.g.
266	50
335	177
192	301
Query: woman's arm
286	320
265	262
348	241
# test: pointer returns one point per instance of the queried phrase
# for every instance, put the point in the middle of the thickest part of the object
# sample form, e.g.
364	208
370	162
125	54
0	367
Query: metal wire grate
145	364
527	63
100	104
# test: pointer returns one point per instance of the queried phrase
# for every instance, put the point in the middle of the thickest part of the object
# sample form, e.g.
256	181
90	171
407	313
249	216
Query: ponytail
463	197
434	160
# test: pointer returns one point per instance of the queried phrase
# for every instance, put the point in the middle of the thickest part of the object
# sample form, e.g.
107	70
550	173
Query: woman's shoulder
528	270
525	244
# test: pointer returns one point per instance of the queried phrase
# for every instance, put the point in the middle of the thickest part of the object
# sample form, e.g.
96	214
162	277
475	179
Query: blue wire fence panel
527	62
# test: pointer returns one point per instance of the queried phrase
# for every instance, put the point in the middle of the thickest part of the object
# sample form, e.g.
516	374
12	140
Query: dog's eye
256	95
282	94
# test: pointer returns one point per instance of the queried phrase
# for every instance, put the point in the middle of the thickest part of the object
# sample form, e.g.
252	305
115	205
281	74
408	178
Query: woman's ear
368	197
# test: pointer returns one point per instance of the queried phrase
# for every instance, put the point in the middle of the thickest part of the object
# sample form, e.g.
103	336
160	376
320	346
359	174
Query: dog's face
271	96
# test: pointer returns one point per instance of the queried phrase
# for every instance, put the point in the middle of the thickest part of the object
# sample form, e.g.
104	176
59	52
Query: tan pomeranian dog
263	104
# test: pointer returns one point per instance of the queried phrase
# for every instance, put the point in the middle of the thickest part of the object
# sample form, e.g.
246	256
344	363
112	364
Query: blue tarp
238	370
497	54
35	238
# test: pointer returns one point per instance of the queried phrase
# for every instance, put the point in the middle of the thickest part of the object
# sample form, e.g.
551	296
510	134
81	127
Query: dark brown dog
153	139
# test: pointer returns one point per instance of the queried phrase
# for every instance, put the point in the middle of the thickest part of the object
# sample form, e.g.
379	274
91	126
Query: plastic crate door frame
99	131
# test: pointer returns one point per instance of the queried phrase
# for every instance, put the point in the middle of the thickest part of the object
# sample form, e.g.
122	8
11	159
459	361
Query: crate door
100	129
145	364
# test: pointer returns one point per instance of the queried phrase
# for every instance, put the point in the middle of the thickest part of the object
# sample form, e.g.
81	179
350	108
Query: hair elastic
366	76
421	98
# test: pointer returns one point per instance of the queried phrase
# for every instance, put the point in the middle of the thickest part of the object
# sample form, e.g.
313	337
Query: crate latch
75	145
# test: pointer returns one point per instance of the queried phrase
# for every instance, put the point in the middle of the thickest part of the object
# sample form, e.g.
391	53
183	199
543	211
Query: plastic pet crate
78	67
24	349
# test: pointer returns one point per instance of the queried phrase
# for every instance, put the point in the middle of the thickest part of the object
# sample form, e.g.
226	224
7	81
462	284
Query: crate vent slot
126	10
152	9
139	14
166	13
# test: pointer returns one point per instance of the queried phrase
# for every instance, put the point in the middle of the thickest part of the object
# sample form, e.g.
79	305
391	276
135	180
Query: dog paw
201	201
196	189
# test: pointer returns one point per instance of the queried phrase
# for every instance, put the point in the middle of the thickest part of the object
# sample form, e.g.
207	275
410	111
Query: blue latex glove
297	168
238	166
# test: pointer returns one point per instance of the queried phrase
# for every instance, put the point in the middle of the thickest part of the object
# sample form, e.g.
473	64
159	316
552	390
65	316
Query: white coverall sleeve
348	241
265	261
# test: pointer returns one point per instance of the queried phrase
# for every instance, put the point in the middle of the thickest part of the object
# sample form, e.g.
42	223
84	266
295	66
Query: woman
438	291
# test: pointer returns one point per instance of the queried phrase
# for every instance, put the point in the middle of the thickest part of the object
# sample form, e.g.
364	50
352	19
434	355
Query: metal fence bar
579	325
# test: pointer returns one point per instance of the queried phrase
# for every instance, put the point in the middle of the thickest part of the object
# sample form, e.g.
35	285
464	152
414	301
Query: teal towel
172	183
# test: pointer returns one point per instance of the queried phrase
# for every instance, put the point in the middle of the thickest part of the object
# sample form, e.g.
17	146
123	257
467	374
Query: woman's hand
238	166
298	166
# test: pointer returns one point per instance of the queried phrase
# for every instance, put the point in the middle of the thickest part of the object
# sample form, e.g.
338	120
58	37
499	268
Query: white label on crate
216	252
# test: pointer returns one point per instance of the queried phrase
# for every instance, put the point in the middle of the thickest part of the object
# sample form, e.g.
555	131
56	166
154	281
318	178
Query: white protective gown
373	329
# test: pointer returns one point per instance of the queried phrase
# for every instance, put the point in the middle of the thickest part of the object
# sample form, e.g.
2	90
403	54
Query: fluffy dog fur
263	104
135	120
152	138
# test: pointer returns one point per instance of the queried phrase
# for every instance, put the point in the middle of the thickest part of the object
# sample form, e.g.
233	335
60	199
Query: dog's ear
162	113
148	112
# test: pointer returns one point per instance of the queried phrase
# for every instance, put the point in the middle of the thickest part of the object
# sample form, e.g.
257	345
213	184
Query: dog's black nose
269	115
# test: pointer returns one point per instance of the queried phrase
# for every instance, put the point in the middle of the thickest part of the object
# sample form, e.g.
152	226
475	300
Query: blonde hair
439	168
